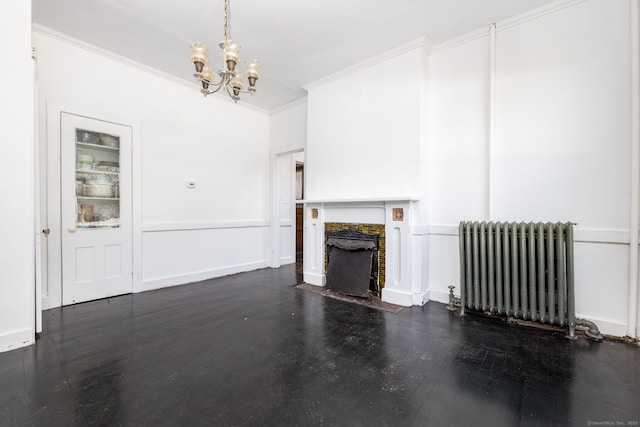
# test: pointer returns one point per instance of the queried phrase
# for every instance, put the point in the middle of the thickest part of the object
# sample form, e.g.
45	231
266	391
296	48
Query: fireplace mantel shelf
363	200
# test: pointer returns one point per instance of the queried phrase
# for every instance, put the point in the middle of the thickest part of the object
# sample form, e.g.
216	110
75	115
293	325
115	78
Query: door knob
72	229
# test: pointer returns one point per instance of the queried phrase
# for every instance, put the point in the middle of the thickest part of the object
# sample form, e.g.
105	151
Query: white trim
288	105
536	13
634	210
54	109
504	24
442	230
419	230
403	48
314	279
364	200
197	276
150	227
394	296
580	235
16	339
461	40
287	260
492	122
287	223
420	298
606	326
442	296
46	31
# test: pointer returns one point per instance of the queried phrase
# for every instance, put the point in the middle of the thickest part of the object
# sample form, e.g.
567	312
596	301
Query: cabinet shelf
97	147
96	172
97	198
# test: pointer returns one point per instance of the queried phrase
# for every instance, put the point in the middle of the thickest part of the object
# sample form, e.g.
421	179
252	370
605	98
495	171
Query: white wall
364	129
561	149
182	234
289	128
17	275
288	140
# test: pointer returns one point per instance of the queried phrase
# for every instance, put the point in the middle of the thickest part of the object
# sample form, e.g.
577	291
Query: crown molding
107	54
505	24
535	13
419	42
288	105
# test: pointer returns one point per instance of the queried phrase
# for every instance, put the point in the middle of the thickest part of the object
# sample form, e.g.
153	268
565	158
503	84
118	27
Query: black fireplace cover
349	271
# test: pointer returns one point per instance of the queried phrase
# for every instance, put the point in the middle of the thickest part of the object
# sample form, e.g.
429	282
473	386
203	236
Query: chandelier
231	79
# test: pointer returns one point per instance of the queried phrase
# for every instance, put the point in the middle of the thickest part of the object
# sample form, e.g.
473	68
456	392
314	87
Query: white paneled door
96	209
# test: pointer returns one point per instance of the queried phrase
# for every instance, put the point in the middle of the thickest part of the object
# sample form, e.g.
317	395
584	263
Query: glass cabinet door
97	180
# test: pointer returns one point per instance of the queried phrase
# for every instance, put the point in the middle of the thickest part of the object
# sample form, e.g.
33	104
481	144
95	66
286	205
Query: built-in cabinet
96	214
97	179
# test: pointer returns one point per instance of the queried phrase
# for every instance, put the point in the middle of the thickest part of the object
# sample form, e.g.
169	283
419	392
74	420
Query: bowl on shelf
109	140
108	166
87	137
98	189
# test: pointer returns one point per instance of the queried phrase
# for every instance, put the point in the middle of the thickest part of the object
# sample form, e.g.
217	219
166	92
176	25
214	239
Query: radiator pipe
592	332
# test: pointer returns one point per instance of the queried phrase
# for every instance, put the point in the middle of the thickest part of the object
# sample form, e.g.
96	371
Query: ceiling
296	41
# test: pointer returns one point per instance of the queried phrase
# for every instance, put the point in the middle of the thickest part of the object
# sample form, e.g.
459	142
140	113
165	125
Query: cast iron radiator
521	270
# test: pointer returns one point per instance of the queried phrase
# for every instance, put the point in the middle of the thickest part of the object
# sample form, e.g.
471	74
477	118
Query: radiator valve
452	299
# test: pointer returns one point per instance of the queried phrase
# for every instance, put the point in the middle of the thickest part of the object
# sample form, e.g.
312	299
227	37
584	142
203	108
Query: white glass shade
236	82
199	55
230	54
253	72
206	77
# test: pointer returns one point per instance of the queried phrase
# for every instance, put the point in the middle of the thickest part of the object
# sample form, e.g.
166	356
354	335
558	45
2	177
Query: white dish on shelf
98	189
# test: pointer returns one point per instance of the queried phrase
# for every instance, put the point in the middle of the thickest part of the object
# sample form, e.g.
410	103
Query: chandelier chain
226	19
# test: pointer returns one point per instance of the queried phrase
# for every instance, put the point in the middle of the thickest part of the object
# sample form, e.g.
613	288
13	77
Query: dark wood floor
250	350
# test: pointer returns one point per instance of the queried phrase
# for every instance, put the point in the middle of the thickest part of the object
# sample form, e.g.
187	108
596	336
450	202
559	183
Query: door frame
50	196
276	194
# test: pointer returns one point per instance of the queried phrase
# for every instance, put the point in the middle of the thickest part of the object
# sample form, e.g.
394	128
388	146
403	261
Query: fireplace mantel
402	285
363	200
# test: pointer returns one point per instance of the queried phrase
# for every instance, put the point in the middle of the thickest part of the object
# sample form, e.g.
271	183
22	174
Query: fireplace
354	260
402	247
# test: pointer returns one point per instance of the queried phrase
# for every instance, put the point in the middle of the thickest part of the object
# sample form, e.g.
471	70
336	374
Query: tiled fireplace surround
403	284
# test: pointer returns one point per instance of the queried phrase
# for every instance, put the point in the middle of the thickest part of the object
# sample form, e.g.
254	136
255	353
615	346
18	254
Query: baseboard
197	276
16	339
421	298
440	296
314	279
287	260
606	327
397	297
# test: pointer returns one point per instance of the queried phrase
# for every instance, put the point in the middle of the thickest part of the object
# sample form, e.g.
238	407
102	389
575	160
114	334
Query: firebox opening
352	262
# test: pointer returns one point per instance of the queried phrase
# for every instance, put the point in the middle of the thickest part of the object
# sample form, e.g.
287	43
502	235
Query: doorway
288	211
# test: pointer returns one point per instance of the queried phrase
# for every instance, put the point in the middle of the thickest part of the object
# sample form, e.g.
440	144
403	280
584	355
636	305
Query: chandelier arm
209	91
235	98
